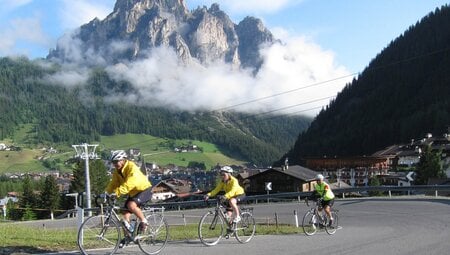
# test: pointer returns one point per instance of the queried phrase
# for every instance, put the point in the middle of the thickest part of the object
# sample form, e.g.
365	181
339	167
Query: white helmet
226	169
118	155
319	177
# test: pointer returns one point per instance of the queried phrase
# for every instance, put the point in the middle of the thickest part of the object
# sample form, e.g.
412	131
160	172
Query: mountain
135	27
62	115
403	93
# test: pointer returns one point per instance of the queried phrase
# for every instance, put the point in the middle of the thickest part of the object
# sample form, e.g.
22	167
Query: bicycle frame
105	230
316	217
211	226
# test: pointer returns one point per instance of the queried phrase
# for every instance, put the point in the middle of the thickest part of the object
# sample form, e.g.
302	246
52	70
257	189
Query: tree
429	166
98	176
374	182
27	199
50	195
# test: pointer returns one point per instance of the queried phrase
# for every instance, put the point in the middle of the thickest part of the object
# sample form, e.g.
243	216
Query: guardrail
298	195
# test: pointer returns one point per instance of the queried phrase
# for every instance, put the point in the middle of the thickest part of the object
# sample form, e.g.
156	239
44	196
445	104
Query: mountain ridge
404	93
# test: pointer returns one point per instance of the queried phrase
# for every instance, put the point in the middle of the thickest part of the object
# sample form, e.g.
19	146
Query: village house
285	179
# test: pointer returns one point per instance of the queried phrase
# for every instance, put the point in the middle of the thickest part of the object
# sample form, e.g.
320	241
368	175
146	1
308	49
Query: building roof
295	171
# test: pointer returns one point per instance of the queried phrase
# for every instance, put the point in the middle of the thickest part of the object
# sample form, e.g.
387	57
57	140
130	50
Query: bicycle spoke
94	235
309	223
331	228
154	239
210	229
245	229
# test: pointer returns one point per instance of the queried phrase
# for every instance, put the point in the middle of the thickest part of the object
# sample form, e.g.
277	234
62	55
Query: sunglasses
115	162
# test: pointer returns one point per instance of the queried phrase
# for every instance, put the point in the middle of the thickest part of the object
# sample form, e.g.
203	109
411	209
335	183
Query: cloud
76	13
22	31
8	5
293	74
247	6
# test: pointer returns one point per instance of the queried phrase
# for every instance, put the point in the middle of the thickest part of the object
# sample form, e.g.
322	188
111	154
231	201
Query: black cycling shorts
239	199
141	197
330	203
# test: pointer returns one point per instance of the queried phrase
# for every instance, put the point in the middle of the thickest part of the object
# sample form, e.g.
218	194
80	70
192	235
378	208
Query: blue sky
355	30
332	38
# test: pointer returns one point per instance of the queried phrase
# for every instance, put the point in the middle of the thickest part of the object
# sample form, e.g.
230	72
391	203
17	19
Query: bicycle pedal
227	236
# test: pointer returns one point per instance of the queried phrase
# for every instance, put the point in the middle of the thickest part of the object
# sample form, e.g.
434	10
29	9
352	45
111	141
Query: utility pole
86	151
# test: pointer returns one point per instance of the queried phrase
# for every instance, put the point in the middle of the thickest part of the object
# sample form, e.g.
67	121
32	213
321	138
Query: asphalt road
369	226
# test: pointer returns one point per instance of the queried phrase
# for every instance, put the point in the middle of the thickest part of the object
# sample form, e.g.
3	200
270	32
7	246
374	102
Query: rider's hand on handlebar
222	199
205	197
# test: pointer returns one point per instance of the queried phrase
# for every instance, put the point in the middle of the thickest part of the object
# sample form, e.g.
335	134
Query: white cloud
22	31
299	66
76	13
9	5
246	6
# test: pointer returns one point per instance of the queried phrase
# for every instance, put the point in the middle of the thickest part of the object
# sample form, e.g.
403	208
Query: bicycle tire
95	236
210	229
155	236
309	223
331	229
245	229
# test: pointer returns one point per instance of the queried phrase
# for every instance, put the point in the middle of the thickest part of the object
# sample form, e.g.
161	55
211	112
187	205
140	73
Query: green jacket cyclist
323	190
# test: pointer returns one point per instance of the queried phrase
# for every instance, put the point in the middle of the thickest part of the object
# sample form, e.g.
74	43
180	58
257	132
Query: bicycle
315	219
214	225
102	232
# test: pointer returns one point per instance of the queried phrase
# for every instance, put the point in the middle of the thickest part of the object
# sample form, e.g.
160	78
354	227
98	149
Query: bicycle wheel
210	229
309	223
331	229
245	229
99	235
155	236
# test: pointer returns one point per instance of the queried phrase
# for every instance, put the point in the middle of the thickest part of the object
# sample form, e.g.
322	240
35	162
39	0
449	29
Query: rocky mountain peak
135	27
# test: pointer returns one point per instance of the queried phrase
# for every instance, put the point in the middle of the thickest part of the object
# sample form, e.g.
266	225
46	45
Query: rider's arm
113	184
216	190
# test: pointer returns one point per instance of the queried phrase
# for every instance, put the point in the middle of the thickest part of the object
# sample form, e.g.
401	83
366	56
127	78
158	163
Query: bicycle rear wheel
155	236
245	229
98	235
331	228
309	223
210	229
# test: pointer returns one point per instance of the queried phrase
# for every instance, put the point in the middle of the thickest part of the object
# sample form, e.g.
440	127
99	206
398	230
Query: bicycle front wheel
331	228
99	235
210	229
245	229
154	238
309	223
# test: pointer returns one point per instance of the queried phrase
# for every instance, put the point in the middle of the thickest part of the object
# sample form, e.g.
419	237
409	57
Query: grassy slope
154	149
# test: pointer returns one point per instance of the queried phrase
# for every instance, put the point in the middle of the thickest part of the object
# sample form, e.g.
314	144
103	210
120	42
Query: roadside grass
14	237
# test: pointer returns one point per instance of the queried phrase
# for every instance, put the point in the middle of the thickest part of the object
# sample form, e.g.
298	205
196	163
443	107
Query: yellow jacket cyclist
234	193
127	179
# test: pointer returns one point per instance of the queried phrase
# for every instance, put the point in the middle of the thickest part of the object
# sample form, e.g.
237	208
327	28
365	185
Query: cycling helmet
118	155
226	169
319	177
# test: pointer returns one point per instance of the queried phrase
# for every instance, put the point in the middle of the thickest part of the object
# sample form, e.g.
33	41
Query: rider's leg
233	204
134	208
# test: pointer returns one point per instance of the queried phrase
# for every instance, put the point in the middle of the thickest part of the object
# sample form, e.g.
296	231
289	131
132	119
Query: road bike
101	234
315	219
214	225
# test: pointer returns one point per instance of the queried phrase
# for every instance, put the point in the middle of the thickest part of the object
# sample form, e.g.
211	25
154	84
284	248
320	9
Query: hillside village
392	166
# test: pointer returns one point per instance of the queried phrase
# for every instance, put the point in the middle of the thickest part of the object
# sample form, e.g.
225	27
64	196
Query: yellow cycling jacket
128	180
324	191
231	188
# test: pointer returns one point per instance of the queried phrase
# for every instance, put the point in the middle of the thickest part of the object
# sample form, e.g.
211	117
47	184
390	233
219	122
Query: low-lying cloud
295	78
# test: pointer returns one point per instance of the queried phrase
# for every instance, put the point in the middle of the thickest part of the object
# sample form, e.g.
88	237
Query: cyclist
323	190
234	193
127	179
